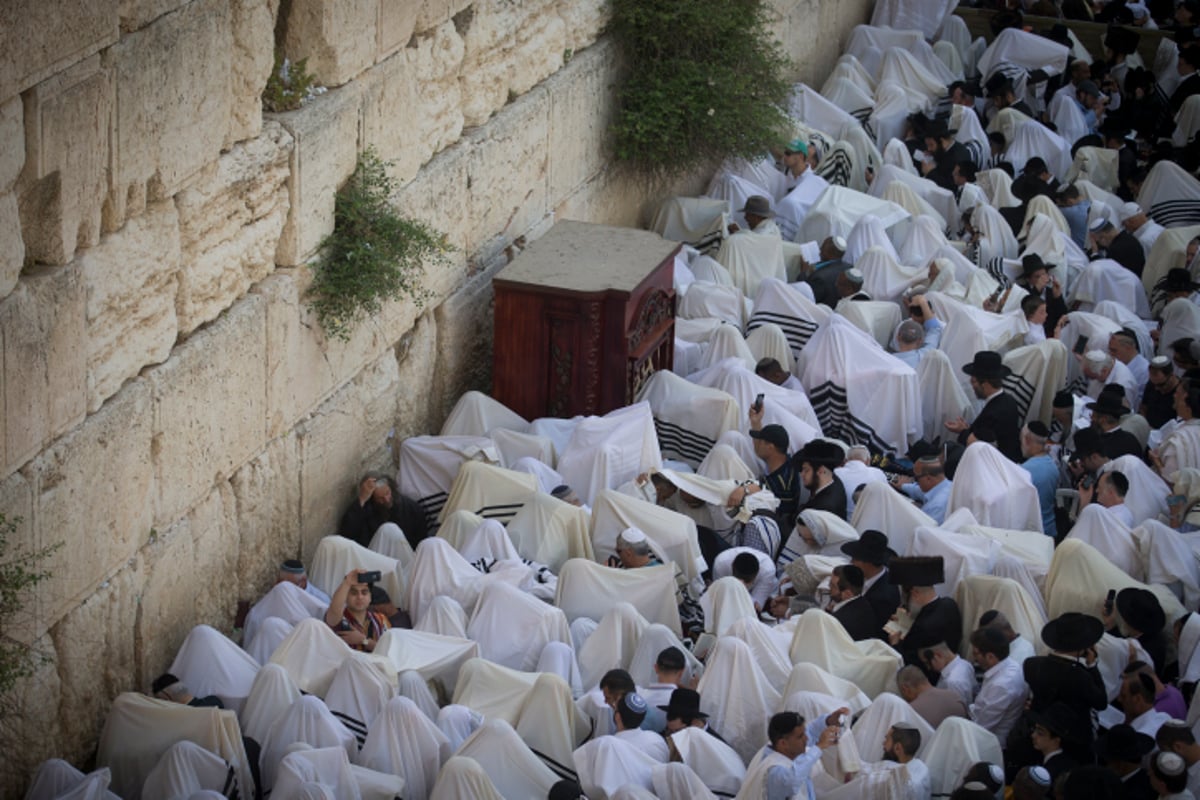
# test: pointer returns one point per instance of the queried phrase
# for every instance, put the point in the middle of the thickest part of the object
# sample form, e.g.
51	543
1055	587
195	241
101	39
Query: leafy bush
704	80
289	85
373	255
20	572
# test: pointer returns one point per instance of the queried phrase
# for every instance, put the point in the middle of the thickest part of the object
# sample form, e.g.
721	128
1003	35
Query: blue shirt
934	501
933	337
1044	473
783	783
1077	220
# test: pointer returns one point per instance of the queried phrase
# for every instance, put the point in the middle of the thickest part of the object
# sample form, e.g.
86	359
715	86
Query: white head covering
403	741
307	720
612	645
438	569
868	232
955	746
885	711
271	695
718	765
55	779
678	782
464	777
357	694
997	492
737	696
818	639
725	602
308	772
809	679
444	616
186	768
559	658
513	627
1101	529
457	723
608	764
653	640
412	685
770	648
285	600
508	761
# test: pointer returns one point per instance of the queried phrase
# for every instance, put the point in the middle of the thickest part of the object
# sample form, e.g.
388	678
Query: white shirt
1148	722
1148	234
652	744
791	210
1121	375
959	676
1020	649
1140	368
919	786
855	473
765	586
1122	512
793	384
1001	698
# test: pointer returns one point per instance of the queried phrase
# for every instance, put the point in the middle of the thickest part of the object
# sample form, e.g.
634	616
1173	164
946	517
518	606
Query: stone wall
172	414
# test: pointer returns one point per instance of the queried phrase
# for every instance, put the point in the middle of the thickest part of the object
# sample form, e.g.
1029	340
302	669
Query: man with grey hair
1100	369
919	334
934	704
1043	471
929	486
292	571
1137	222
856	472
632	551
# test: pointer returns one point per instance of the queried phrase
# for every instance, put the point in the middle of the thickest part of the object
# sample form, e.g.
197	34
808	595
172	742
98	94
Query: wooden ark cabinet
583	317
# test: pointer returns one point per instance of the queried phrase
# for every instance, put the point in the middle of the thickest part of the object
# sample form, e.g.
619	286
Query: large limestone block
397	22
440	194
581	114
338	37
432	13
39	39
31	727
191	572
230	219
325	133
16	506
94	493
507	173
210	407
44	384
137	14
347	435
174	102
12	133
65	178
130	279
609	198
510	47
12	249
412	104
462	359
585	19
253	57
419	405
267	491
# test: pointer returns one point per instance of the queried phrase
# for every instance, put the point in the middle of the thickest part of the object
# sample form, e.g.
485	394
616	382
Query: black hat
938	129
1122	41
987	364
923	448
1123	742
1059	719
1072	632
1111	401
871	547
1141	610
1031	264
1113	128
1058	33
997	84
757	205
773	434
916	571
1177	279
1064	399
684	704
820	453
1087	441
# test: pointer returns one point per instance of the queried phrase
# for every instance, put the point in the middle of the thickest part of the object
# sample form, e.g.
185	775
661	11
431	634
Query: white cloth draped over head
808	106
457	723
885	711
559	659
726	463
430	655
55	779
490	491
785	407
428	465
949	55
271	695
868	43
1170	195
874	402
977	594
883	276
717	764
781	304
391	542
678	782
1034	139
1180	319
904	16
308	772
726	602
942	394
285	601
438	569
761	172
1169	560
489	540
735	190
1147	495
1024	49
512	627
924	242
956	745
849	94
708	300
186	768
839	208
690	418
997	185
770	648
830	531
1076	571
477	414
1037	369
767	340
882	509
513	446
209	663
868	232
549	531
464	777
403	741
910	199
895	154
1126	318
1189	650
671	535
310	721
1105	279
737	696
514	769
613	644
444	616
588	589
698	221
812	680
996	491
963	554
750	257
312	654
991	225
604	452
652	641
926	77
337	555
819	639
1101	529
357	694
608	765
548	478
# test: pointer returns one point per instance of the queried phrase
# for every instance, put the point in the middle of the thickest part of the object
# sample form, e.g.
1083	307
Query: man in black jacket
378	502
816	462
934	619
945	153
999	414
1119	245
1035	278
848	605
870	553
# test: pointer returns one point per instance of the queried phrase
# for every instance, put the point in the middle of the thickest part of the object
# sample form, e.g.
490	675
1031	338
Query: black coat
1117	443
824	282
939	621
1127	251
1003	416
361	521
858	618
1186	88
832	498
1058	680
884	599
943	173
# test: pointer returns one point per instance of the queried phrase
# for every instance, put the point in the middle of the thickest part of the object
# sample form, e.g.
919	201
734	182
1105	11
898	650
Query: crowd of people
913	514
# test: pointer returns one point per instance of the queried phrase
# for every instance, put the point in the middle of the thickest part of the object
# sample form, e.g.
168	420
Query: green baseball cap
797	146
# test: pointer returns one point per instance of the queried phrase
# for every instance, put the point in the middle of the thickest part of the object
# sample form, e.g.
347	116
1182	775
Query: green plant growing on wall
373	255
702	80
21	570
289	85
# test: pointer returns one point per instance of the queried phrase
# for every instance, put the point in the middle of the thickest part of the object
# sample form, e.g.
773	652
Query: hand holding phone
758	403
373	576
1109	601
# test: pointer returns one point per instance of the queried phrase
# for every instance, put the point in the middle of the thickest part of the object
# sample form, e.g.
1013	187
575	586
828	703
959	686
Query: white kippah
1128	210
1040	775
633	535
854	275
1097	224
997	773
1096	356
840	243
1171	764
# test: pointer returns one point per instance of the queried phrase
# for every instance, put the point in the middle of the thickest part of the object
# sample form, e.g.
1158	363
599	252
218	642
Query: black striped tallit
504	512
797	331
836	168
995	268
829	401
431	505
679	443
1022	391
355	726
1176	213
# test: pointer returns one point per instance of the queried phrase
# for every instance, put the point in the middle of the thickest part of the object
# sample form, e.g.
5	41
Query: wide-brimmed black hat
917	571
1110	401
820	453
1177	279
1032	263
871	547
1059	719
1141	610
938	129
1072	632
987	364
759	206
1123	742
997	84
684	703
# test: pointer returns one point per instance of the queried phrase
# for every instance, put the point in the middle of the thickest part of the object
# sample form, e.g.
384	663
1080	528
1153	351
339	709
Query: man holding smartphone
350	614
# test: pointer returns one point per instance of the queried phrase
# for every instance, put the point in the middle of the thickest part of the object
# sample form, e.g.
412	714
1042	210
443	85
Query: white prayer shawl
949	56
819	639
1097	329
312	654
1105	279
1076	571
894	103
514	769
866	154
970	329
882	509
549	531
927	78
750	257
895	154
588	589
457	723
807	106
761	172
977	594
1170	195
755	785
556	430
792	210
809	679
905	196
271	695
990	224
429	464
515	447
443	616
551	725
698	221
726	342
963	554
1187	122
186	768
430	655
337	555
1034	139
209	663
1038	371
781	406
716	763
732	459
477	414
1041	205
883	276
308	772
285	601
1147	496
1067	116
1095	164
464	777
827	527
868	43
954	30
512	627
698	331
1169	560
770	648
726	601
843	758
849	67
357	694
308	720
671	534
438	568
839	209
489	540
604	452
55	779
860	393
797	316
390	541
608	764
942	395
711	301
402	741
767	340
923	242
1112	656
680	782
736	190
490	491
850	95
412	686
1104	531
1026	555
737	696
886	710
1126	318
1180	319
876	318
956	745
1028	50
997	492
1189	654
652	641
997	184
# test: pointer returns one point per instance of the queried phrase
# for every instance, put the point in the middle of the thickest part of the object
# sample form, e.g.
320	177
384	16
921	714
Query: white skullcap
1170	764
1040	775
1097	224
1128	210
633	535
840	243
853	275
1096	357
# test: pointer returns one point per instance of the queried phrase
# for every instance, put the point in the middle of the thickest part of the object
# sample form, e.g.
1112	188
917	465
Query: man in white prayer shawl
628	715
792	209
292	570
754	254
782	770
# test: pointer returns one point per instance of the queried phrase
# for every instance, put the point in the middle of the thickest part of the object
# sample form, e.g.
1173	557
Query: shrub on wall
373	255
21	571
704	79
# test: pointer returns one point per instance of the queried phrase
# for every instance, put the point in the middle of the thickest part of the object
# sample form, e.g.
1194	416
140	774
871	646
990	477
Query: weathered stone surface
12	249
12	160
397	21
191	572
31	727
94	492
130	279
325	133
411	107
338	37
65	178
137	14
814	34
439	195
44	369
38	39
581	114
12	133
432	13
230	219
608	199
585	19
419	407
209	412
267	495
16	506
174	100
344	437
253	25
510	47
462	357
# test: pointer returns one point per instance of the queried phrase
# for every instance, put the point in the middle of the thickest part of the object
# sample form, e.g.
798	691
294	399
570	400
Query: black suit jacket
858	618
824	282
832	498
884	599
1058	765
1117	443
939	621
1002	415
1127	251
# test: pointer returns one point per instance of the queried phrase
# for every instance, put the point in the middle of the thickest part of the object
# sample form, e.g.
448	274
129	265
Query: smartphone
370	577
758	402
1081	345
1109	599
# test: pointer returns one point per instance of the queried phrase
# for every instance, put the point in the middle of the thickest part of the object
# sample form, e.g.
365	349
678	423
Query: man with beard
900	746
1000	412
934	619
942	154
816	461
